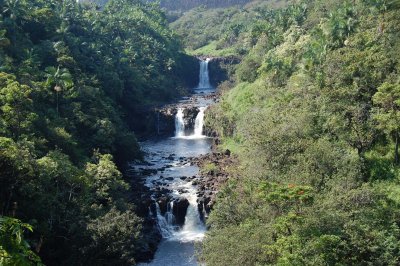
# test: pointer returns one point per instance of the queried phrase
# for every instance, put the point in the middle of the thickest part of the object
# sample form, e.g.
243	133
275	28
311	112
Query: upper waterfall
204	78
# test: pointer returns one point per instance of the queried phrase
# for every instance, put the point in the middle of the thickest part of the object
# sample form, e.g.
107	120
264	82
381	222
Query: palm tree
13	11
60	78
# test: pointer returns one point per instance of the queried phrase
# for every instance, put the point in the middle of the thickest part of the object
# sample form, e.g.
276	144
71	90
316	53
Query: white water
199	123
177	247
164	226
193	229
179	123
204	78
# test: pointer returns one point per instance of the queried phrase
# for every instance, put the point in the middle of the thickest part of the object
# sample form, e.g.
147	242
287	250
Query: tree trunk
57	106
364	169
39	245
396	149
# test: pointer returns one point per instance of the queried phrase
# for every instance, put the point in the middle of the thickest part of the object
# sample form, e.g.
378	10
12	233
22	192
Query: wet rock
165	191
182	191
179	210
203	207
163	204
148	172
153	208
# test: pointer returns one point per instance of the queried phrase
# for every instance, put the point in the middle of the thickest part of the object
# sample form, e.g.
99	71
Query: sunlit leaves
14	249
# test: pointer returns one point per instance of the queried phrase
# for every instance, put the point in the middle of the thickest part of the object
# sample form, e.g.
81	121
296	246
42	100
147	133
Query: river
172	183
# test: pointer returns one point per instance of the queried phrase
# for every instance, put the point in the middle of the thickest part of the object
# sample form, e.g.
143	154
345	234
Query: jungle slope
220	31
313	117
73	81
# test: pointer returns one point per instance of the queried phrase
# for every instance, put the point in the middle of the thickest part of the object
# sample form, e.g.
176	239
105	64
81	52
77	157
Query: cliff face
221	68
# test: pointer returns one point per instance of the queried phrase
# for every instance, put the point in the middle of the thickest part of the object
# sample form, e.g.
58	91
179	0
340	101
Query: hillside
312	114
73	81
184	5
223	31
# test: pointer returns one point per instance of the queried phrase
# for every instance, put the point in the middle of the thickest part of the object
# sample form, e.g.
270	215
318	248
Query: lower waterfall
179	123
199	123
180	127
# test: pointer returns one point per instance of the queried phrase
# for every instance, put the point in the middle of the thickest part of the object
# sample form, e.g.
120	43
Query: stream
172	181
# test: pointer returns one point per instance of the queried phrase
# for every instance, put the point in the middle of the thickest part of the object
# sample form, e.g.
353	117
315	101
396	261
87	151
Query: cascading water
204	78
179	123
199	123
166	228
169	215
173	178
193	229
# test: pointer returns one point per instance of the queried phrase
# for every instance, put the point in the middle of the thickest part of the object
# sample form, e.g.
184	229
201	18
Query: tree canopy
73	79
313	120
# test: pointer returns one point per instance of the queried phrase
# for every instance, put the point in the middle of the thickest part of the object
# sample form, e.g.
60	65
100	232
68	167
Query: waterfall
199	123
165	224
179	123
169	215
204	79
193	229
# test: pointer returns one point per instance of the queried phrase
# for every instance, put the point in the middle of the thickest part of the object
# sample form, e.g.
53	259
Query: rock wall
221	68
211	179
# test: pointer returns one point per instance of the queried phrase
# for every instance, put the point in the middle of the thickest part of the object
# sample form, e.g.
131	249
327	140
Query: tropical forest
199	132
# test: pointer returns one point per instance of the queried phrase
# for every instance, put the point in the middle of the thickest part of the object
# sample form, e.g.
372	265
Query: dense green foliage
72	81
221	31
314	121
14	250
313	117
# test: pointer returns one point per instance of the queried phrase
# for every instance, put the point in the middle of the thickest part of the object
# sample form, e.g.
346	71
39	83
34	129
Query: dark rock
227	153
163	204
179	210
153	208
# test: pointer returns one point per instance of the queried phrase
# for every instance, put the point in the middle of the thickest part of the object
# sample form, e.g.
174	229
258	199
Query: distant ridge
185	4
189	4
99	2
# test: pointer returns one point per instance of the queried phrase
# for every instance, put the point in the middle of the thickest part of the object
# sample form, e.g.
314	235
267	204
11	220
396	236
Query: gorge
199	132
175	207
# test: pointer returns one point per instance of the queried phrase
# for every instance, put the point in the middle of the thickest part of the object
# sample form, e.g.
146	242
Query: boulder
163	204
180	209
